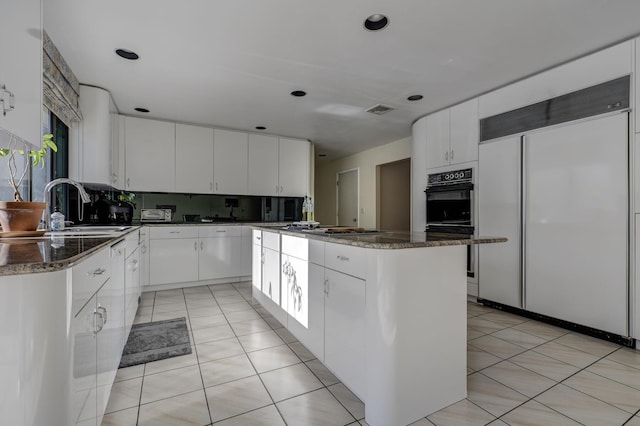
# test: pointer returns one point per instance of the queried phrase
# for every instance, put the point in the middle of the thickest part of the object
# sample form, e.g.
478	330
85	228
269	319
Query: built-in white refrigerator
560	194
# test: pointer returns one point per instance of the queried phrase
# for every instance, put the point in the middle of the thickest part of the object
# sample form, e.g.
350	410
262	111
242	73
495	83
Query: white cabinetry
96	156
271	271
173	254
21	68
293	166
419	175
246	249
263	165
220	252
256	261
452	135
132	284
194	159
230	151
150	152
144	256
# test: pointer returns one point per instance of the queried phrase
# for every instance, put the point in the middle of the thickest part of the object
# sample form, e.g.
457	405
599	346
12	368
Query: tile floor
246	369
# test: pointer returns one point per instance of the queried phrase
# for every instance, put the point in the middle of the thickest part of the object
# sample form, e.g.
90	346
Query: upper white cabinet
150	151
293	167
194	159
230	153
21	68
452	135
263	165
96	156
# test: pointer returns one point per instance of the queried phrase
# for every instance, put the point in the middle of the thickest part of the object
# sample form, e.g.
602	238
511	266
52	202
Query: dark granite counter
386	240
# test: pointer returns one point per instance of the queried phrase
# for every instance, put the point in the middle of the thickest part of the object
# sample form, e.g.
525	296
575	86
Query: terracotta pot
20	215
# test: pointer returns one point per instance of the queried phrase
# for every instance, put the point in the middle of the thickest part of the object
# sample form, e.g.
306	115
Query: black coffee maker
111	212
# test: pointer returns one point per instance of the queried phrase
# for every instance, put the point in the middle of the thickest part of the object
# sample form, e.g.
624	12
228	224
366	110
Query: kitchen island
385	312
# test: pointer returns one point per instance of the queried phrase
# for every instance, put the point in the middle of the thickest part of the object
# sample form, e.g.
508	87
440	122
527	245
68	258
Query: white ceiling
233	63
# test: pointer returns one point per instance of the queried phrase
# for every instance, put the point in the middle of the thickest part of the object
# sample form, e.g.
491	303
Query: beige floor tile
191	298
614	393
421	422
205	311
187	409
462	413
170	307
198	323
170	383
168	315
472	333
235	307
262	340
520	379
484	325
533	413
317	408
519	338
167	300
130	372
200	303
492	396
141	319
566	354
544	365
581	407
226	370
478	359
478	308
615	371
240	316
144	310
497	347
303	353
219	349
626	356
352	403
210	334
237	397
588	344
272	358
249	327
201	289
497	422
226	300
171	363
326	377
266	416
504	318
285	335
540	329
124	394
128	417
291	381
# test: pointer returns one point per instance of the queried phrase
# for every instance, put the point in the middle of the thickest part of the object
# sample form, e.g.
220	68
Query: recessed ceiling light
261	128
141	109
127	54
376	22
414	97
298	93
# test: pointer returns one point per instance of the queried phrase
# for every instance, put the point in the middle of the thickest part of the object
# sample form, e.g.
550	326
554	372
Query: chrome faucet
47	193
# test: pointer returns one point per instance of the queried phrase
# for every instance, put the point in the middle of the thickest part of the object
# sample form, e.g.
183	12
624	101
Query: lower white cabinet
143	254
219	257
132	286
256	260
246	251
173	260
271	275
312	336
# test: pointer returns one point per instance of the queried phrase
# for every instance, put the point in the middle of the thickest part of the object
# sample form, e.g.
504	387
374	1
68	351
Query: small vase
20	215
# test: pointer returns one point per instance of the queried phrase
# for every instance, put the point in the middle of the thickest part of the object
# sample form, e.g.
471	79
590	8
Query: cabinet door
150	151
230	150
173	261
465	132
219	257
117	147
83	404
132	288
21	67
271	275
263	165
344	319
256	266
438	139
311	334
246	251
144	257
293	166
194	159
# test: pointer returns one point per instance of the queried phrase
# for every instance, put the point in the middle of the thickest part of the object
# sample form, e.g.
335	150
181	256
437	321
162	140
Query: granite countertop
387	240
223	223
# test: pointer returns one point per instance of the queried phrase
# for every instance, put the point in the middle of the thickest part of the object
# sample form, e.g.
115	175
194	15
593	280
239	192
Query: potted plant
20	215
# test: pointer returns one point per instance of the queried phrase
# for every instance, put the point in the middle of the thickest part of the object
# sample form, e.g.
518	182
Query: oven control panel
455	176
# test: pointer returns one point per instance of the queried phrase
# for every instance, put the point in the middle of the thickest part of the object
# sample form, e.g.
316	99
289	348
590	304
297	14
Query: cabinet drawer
131	242
343	258
295	246
88	276
316	252
164	232
271	240
219	231
257	237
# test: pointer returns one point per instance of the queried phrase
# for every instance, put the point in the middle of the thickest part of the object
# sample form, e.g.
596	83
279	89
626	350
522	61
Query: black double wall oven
450	206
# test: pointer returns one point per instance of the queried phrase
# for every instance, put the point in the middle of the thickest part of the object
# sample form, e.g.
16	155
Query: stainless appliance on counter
450	206
155	215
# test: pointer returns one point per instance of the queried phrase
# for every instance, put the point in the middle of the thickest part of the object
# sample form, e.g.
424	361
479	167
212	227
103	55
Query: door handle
446	156
452	155
128	182
211	186
104	314
195	245
98	326
201	245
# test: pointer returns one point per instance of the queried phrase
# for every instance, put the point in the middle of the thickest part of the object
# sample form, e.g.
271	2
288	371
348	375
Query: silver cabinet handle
98	326
258	238
128	182
174	232
326	286
446	156
211	186
98	271
276	189
195	245
201	245
104	314
143	249
343	258
452	155
281	189
224	230
216	186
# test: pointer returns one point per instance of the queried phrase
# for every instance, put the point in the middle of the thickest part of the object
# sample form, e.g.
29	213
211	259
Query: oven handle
464	186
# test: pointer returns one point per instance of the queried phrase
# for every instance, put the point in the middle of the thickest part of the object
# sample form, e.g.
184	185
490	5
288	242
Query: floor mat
153	341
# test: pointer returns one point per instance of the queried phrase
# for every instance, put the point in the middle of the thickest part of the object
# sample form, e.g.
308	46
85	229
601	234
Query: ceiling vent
379	109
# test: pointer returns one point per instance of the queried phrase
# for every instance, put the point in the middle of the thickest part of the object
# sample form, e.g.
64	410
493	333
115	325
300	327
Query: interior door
348	198
576	222
498	189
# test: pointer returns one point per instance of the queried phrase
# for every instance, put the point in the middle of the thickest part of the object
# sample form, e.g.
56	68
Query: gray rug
153	341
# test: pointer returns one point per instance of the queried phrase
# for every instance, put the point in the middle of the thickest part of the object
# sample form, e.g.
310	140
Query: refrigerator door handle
523	220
